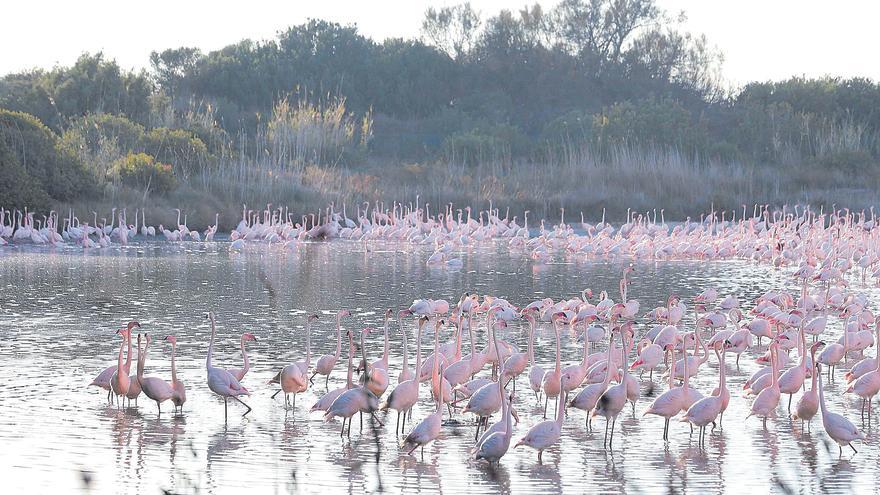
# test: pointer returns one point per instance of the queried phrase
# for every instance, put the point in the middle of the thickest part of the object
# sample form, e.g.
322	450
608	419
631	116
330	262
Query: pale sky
761	39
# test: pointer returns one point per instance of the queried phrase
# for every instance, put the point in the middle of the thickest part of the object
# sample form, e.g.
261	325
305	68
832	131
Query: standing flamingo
179	396
293	376
220	381
153	387
611	402
868	385
767	400
326	362
428	429
705	410
808	405
120	380
406	394
840	429
546	433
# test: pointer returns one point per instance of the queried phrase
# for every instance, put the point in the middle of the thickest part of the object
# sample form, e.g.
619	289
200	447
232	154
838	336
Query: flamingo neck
402	332
142	359
173	362
531	349
211	344
350	362
244	356
385	354
119	364
338	336
128	355
308	342
419	353
821	393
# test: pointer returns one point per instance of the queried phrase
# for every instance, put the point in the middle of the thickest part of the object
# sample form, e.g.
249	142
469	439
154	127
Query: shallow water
59	310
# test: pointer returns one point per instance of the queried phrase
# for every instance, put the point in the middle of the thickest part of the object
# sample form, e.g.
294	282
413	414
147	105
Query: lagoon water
60	308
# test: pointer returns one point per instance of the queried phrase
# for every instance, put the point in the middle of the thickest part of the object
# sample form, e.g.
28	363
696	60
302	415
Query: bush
17	189
142	172
38	151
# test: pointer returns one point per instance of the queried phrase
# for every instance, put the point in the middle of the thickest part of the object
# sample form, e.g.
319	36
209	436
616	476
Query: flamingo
546	433
551	378
327	399
428	428
808	405
669	403
834	353
611	402
406	394
120	381
354	400
493	446
868	385
325	363
220	381
179	396
587	398
705	410
840	429
765	403
293	376
536	373
153	387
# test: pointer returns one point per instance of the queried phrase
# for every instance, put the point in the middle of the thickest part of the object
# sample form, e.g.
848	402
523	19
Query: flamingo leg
245	405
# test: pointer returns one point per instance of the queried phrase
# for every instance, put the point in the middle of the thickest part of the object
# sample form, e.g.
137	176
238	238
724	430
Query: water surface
59	309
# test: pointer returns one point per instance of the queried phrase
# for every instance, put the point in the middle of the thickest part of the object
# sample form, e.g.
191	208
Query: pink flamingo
153	387
220	381
840	429
808	405
179	395
325	363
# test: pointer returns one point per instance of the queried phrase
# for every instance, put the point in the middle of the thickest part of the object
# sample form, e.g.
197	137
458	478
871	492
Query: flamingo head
588	293
389	313
313	317
248	336
344	312
173	339
133	324
817	346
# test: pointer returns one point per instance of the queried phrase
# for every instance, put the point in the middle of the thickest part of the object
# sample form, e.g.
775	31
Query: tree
452	29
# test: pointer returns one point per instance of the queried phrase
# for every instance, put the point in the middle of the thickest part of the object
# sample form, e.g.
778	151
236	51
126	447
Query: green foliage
17	188
653	122
494	143
142	172
91	85
38	151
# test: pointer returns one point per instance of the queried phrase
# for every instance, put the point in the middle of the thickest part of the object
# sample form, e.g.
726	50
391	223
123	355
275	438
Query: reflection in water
60	309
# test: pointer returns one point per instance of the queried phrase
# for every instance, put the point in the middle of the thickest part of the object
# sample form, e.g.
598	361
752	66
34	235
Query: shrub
142	172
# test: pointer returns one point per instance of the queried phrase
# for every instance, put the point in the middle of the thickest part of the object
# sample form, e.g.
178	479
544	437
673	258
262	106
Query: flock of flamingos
825	252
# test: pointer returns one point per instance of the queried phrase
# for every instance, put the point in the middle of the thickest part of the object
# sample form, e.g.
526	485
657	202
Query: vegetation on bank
593	103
